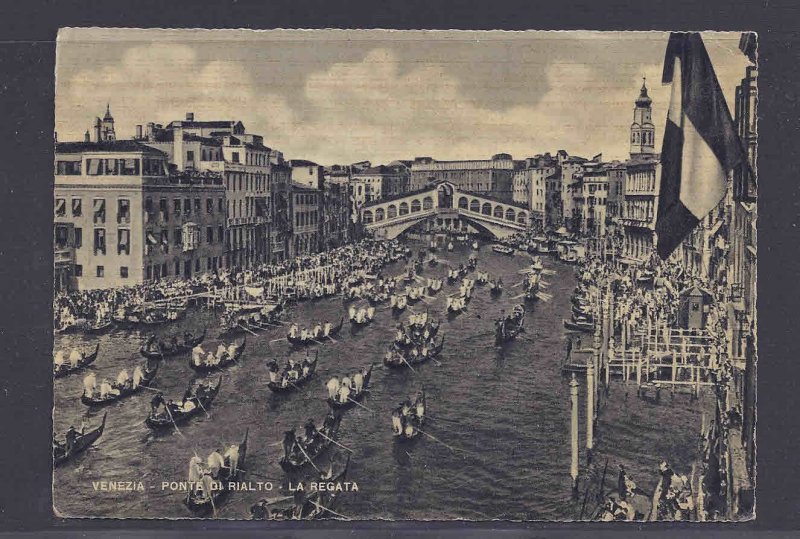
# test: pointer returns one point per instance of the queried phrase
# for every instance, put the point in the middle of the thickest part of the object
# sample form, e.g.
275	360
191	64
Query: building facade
492	177
306	207
116	211
530	186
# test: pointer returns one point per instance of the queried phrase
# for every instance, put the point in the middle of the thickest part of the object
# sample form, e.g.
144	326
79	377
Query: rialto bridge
444	206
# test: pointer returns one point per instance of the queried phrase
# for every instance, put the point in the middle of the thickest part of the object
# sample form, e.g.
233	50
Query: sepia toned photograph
405	275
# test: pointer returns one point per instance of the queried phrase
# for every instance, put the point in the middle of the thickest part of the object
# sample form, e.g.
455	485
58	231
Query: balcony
63	256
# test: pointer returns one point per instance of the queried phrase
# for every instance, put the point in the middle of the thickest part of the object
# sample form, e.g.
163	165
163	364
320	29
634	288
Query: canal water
497	446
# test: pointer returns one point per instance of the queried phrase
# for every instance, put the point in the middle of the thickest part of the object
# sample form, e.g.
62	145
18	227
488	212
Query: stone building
124	218
492	177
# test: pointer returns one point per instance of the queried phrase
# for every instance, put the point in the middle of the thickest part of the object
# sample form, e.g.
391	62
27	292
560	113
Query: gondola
293	461
578	325
278	387
76	326
496	289
199	503
416	420
66	368
169	351
298	340
415	335
172	417
369	316
225	361
317	504
396	358
503	250
507	329
354	396
100	327
148	377
79	444
472	263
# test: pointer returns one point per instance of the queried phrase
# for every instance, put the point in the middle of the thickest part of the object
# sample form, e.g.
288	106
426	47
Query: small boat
578	325
100	326
472	263
411	422
279	387
361	317
62	453
163	350
397	358
354	395
434	285
73	327
66	368
298	340
537	264
503	250
308	450
497	287
175	414
317	504
399	302
507	329
450	246
200	503
225	361
482	277
148	377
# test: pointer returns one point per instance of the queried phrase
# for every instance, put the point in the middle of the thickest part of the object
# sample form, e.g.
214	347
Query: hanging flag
700	142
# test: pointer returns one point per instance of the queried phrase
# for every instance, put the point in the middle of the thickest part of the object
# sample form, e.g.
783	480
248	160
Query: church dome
643	100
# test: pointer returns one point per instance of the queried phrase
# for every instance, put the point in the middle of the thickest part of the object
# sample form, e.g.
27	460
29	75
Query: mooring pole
573	469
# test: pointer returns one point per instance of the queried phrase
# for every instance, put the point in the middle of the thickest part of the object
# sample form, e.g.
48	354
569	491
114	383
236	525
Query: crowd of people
211	359
123	382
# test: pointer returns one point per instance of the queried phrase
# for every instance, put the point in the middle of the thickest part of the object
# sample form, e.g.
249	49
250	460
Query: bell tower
107	128
643	132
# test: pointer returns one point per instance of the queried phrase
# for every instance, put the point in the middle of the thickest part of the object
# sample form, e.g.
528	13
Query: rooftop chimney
150	131
97	129
190	116
138	132
86	137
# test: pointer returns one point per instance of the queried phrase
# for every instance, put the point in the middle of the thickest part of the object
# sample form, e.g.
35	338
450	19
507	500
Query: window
100	241
209	205
165	240
235	159
78	270
111	168
190	155
124	211
176	206
78	238
124	241
163	209
177	267
148	207
93	167
62	237
209	234
197	206
101	271
164	269
129	167
68	168
177	236
61	207
123	272
77	207
220	234
219	205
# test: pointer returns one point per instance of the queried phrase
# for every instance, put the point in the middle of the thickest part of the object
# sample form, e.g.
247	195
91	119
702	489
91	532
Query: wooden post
610	358
590	391
573	469
638	368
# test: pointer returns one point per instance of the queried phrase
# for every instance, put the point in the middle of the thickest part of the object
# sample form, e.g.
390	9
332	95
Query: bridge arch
404	208
463	203
511	215
367	217
380	215
475	205
427	203
486	209
416	205
498	212
522	218
391	211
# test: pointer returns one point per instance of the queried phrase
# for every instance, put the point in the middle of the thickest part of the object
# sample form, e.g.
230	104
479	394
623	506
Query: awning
151	240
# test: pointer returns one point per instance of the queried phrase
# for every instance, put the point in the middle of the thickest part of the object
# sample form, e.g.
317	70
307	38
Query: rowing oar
203	408
331	511
358	403
309	458
334	441
278	339
451	448
407	363
247	330
166	407
518	284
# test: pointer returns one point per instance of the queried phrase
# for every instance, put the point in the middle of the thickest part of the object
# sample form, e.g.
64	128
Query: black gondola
278	387
308	451
225	361
200	503
80	443
66	368
412	419
398	358
147	378
354	396
508	328
102	326
175	414
497	288
298	340
168	350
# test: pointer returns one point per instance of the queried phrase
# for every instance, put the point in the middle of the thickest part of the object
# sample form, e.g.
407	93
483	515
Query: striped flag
700	142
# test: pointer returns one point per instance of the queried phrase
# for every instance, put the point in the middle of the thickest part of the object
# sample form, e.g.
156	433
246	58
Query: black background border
27	61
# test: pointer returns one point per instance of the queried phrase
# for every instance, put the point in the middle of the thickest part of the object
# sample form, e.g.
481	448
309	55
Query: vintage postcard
405	275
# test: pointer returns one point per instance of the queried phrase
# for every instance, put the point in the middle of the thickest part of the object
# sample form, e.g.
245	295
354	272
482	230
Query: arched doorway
445	192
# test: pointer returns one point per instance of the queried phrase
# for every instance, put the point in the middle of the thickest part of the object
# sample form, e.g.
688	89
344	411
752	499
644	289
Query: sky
343	96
